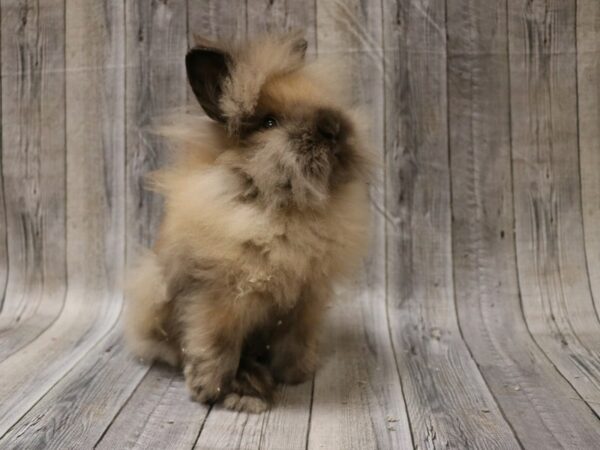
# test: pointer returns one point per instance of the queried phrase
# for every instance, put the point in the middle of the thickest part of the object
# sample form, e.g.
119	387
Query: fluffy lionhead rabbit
265	207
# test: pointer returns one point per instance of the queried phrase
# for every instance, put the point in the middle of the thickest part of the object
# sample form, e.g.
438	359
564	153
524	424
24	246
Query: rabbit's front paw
204	385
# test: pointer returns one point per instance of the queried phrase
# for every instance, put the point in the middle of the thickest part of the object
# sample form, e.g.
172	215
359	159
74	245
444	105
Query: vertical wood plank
216	19
550	248
358	400
33	156
284	15
448	402
95	212
156	83
3	219
95	145
536	400
588	76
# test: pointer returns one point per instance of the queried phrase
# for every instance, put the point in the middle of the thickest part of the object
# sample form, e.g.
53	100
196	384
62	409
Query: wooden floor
475	322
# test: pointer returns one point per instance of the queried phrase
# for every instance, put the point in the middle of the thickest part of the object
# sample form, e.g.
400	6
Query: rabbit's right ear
207	68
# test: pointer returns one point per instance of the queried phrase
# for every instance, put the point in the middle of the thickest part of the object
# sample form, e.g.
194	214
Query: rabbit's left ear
207	68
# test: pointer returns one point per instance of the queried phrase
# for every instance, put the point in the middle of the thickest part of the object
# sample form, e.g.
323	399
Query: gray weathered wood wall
475	321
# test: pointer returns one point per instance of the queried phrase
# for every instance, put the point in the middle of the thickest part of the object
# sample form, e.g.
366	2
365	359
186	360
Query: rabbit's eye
269	122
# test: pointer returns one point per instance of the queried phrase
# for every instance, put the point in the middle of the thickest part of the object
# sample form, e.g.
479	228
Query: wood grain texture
79	408
159	414
33	142
448	401
555	289
95	210
156	84
284	15
216	19
474	323
588	115
359	376
4	262
535	399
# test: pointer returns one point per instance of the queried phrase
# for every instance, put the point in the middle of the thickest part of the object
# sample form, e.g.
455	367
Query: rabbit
266	207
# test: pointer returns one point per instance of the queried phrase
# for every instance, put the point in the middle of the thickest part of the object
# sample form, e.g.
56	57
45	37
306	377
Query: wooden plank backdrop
474	322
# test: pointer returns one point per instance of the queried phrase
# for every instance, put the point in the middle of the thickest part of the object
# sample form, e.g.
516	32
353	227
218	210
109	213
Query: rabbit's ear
207	68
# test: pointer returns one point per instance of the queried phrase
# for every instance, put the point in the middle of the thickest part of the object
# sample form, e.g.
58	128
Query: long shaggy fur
265	208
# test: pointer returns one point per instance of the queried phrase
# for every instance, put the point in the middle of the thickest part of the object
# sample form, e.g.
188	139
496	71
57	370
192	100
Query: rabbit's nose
329	124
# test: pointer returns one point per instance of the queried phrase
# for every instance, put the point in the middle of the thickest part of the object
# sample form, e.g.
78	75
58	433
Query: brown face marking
331	126
316	154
